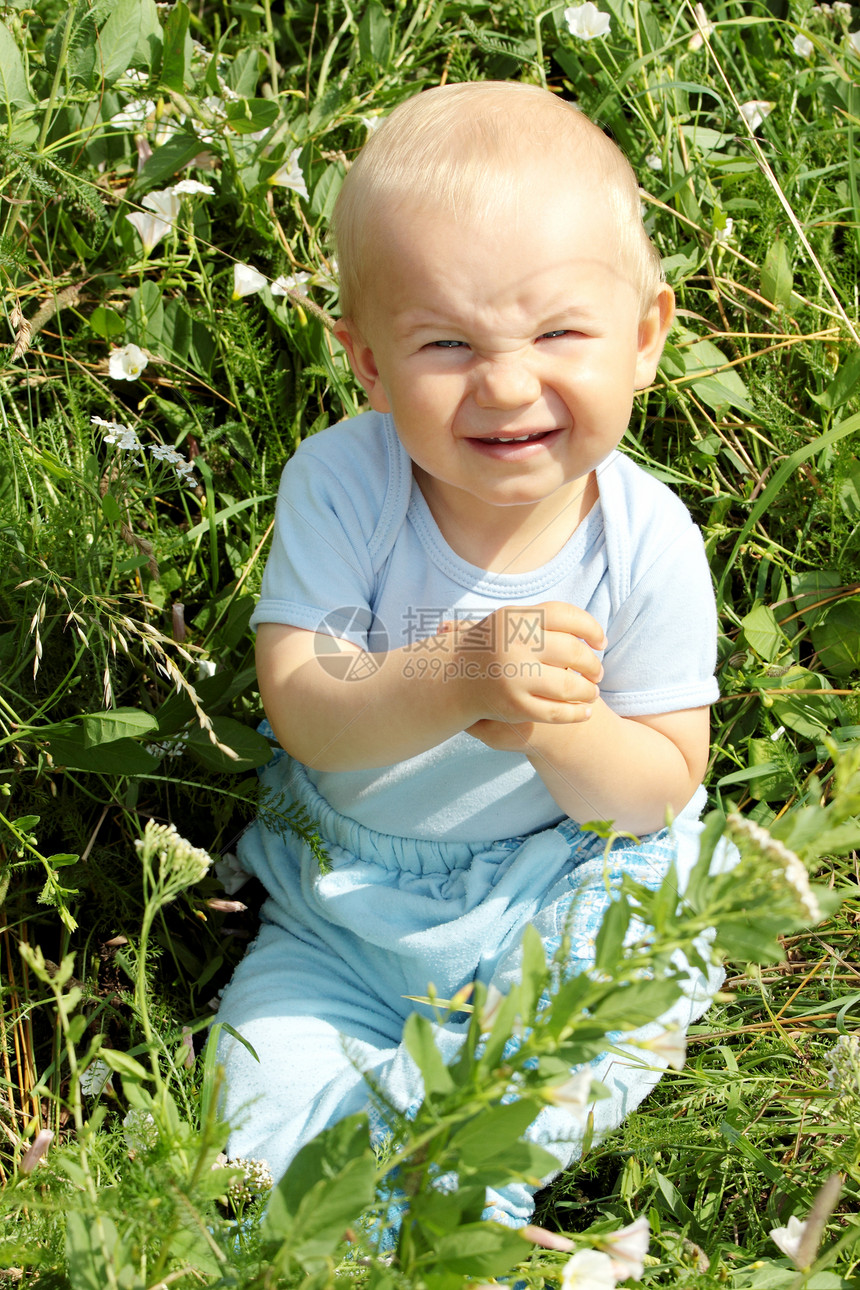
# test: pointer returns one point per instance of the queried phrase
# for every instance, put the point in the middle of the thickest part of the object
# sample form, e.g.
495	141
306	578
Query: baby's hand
528	663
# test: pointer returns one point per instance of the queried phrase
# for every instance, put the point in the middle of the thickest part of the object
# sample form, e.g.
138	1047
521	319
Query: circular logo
336	653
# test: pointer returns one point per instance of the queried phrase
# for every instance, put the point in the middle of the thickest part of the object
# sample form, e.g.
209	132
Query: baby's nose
506	383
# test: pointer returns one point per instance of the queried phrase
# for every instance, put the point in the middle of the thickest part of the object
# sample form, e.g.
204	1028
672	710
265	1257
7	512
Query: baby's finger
565	651
560	616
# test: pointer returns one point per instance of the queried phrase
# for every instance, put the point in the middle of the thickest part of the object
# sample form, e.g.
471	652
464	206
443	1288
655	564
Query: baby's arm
626	769
397	704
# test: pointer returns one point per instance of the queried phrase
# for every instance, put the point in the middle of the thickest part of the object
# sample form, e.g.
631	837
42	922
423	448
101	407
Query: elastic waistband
417	855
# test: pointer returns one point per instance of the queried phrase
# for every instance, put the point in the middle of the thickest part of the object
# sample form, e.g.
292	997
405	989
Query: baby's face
507	348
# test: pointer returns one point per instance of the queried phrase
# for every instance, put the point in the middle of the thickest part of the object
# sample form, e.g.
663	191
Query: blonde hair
464	148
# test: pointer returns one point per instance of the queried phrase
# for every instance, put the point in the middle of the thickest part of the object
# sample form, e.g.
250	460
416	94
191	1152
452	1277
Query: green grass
118	581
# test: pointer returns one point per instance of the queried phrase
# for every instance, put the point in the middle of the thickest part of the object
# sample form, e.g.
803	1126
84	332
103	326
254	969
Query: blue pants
320	994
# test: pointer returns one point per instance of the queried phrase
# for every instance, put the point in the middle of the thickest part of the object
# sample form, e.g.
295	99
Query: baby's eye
448	344
553	335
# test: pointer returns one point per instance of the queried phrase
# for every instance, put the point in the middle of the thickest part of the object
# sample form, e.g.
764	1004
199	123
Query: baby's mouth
523	438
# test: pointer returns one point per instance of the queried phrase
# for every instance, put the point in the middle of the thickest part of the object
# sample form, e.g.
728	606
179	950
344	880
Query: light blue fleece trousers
320	995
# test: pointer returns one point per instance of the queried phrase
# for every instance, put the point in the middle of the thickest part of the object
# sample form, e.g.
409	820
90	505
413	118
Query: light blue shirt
357	554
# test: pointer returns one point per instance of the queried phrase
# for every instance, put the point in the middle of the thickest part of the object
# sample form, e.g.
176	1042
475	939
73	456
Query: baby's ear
363	363
653	330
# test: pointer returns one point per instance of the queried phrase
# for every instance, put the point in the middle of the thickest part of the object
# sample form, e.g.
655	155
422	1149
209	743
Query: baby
480	626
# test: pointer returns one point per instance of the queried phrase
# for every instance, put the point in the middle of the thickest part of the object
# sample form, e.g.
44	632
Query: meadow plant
169	290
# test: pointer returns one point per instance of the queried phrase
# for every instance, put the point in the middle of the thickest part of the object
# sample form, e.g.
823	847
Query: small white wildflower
123	436
843	1077
723	235
181	864
126	364
777	734
256	1177
206	668
854	41
371	123
653	162
247	281
133	116
139	1130
573	1095
669	1046
297	282
802	45
95	1077
168	747
822	10
755	111
168	126
842	7
164	203
585	21
588	1270
788	1239
133	75
191	187
704	28
289	175
627	1249
230	873
159	217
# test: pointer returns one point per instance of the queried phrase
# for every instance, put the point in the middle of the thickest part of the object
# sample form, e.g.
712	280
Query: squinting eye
552	335
447	344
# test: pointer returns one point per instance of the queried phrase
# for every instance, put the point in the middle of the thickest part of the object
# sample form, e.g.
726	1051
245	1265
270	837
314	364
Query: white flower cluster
620	1258
247	281
162	210
127	441
183	863
843	1076
257	1178
750	836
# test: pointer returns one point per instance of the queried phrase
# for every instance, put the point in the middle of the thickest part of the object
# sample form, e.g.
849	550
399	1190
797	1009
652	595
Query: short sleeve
318	575
662	646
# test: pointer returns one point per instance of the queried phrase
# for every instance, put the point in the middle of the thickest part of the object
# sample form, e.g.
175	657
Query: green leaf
810	714
421	1045
116	723
61	859
147	52
106	323
110	509
610	939
325	191
118	39
848	492
774	780
91	1240
629	1006
14	90
252	749
172	156
124	1065
844	385
492	1131
777	279
246	116
174	43
717	389
480	1249
373	35
122	757
837	639
763	633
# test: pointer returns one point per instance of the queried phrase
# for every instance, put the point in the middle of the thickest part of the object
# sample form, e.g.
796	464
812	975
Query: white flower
230	873
290	175
206	668
670	1046
247	281
653	162
842	7
627	1249
574	1094
298	283
139	1130
126	364
133	115
123	436
723	235
586	21
588	1270
822	10
802	45
788	1238
164	206
36	1151
854	41
190	187
371	123
755	112
704	28
183	468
